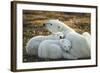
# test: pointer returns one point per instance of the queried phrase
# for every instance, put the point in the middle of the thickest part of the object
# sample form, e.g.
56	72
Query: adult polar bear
55	49
80	47
34	42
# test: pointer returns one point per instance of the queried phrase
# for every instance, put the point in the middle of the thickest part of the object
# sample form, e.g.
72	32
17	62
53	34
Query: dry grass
33	20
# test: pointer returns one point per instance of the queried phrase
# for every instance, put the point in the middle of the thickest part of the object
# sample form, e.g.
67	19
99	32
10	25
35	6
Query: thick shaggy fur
88	38
80	47
55	49
34	42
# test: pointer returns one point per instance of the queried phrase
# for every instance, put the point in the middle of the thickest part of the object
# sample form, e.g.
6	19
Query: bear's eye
58	26
51	24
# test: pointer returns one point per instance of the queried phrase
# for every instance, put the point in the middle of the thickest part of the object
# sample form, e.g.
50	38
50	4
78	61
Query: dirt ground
33	21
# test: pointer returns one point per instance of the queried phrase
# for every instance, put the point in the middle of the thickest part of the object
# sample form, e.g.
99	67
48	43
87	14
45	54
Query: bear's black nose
61	37
67	51
43	24
50	24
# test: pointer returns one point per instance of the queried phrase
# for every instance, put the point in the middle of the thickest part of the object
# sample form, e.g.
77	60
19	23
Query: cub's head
59	35
65	44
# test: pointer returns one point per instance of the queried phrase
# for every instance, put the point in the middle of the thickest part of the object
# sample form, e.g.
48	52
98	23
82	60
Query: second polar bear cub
55	49
34	42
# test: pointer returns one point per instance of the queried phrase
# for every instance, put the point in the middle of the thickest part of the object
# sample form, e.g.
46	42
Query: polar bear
80	47
34	42
55	49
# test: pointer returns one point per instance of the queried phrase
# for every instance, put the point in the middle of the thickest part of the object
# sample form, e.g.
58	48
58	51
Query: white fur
34	42
56	26
80	47
88	38
55	49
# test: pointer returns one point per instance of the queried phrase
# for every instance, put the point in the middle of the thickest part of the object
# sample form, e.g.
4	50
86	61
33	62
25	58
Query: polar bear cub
34	42
55	49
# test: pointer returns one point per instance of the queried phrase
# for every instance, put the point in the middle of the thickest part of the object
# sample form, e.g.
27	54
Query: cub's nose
61	37
67	51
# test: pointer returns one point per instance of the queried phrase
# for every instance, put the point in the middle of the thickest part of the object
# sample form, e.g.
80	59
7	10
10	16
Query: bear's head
59	35
54	25
65	45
